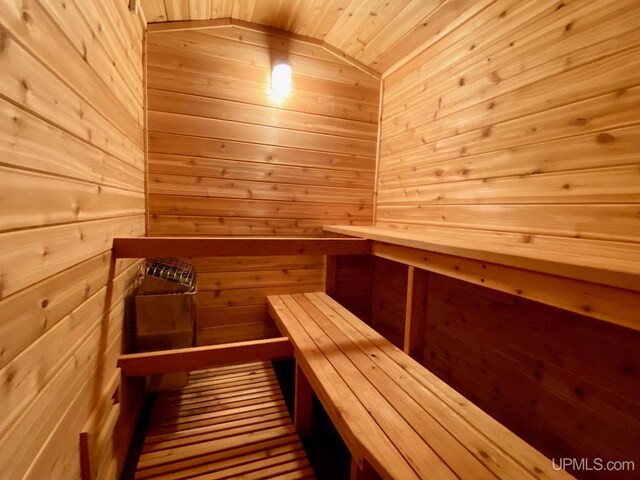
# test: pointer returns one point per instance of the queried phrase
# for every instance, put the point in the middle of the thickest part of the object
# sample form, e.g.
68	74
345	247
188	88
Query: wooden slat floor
229	422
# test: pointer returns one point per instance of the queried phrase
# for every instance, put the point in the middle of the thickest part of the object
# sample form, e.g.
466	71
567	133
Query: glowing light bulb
281	80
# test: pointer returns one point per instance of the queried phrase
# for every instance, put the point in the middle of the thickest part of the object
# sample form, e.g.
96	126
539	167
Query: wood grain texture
72	178
521	122
376	33
227	159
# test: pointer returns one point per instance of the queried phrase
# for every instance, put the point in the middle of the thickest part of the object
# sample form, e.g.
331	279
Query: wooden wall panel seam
352	128
61	111
32	16
185	145
593	107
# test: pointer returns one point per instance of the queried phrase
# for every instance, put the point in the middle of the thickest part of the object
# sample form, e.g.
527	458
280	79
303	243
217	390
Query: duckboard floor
229	422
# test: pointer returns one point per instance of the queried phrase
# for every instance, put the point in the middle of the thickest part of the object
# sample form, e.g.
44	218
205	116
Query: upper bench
594	278
392	412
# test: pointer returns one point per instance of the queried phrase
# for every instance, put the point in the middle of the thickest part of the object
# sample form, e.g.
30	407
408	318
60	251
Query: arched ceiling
378	33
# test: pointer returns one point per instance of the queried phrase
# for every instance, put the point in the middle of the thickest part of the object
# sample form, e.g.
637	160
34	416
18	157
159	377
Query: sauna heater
165	313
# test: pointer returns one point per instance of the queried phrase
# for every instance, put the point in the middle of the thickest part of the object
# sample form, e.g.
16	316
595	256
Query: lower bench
395	416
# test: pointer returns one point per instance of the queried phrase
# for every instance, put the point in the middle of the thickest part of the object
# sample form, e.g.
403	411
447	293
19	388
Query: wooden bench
396	417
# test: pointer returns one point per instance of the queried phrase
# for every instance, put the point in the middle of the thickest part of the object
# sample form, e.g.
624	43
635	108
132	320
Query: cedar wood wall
541	145
520	121
226	159
72	178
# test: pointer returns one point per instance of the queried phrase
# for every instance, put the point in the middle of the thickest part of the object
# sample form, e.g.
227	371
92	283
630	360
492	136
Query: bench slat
418	454
359	431
432	434
535	462
382	377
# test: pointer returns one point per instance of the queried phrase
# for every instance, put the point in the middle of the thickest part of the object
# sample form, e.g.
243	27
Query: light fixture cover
281	79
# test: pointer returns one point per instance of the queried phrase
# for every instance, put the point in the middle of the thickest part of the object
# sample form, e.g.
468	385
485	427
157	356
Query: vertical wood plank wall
227	158
522	122
71	178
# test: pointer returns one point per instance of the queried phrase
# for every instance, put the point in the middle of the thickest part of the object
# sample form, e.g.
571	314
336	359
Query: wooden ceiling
378	33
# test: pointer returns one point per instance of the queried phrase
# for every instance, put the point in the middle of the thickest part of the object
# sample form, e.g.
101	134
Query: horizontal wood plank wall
525	119
566	383
388	299
71	178
226	158
351	283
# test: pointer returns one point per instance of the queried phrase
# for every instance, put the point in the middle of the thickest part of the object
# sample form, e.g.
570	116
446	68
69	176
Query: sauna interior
409	231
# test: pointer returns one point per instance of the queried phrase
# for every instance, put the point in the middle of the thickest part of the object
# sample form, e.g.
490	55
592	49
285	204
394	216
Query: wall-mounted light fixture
281	79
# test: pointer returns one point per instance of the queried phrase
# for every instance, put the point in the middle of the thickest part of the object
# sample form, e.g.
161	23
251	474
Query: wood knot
495	77
580	122
26	17
568	27
11	374
45	303
503	14
461	82
560	5
527	238
604	138
486	131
